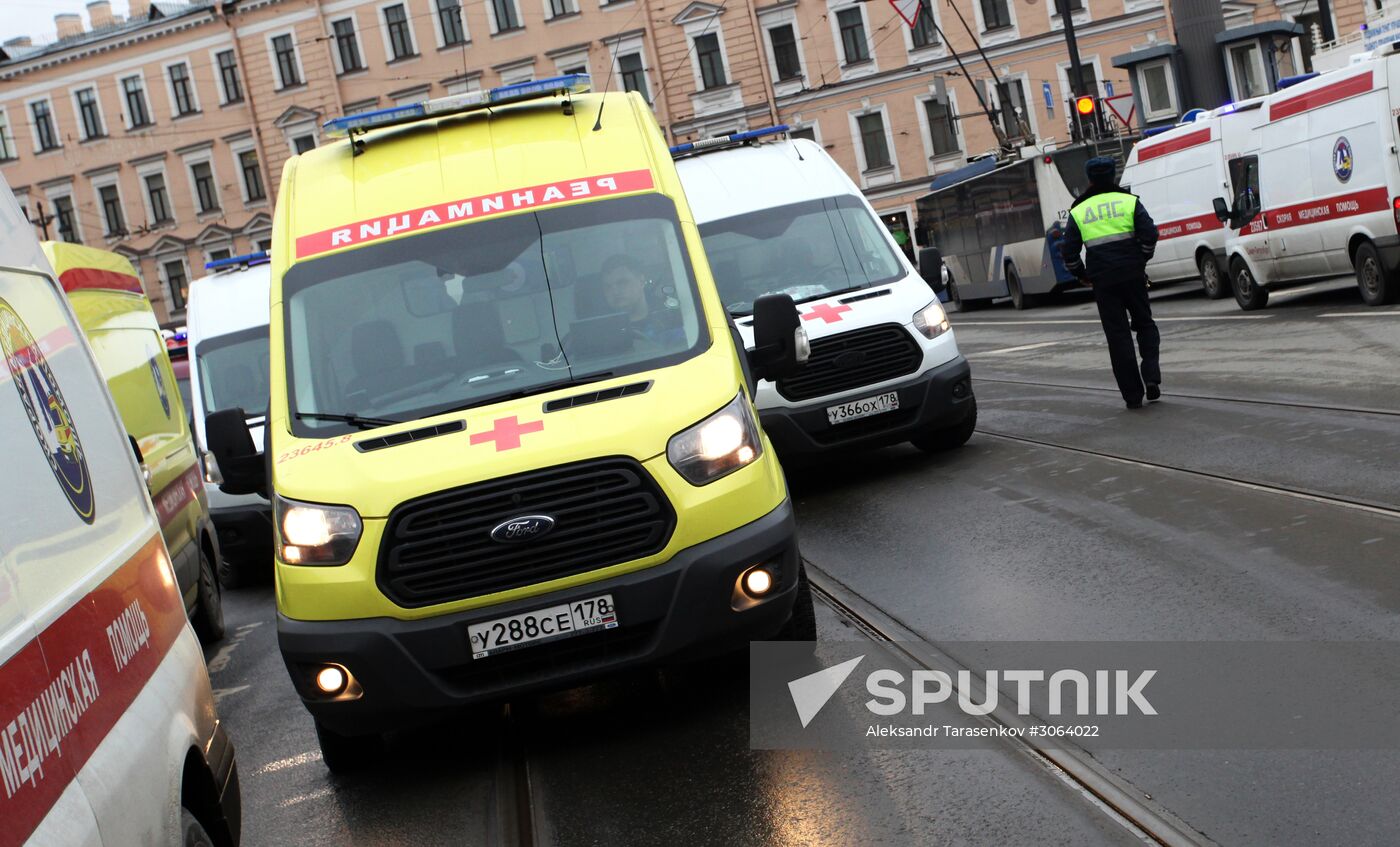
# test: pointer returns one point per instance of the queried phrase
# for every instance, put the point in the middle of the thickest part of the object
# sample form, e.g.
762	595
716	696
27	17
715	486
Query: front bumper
412	671
932	400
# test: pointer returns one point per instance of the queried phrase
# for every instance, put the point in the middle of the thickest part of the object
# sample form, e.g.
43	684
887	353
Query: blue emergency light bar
259	258
724	140
345	126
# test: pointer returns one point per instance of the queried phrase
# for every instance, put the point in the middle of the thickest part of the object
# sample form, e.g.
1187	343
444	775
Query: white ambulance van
227	317
1321	198
1178	174
108	733
782	217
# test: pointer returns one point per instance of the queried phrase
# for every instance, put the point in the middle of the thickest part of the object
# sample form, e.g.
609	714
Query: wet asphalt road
1003	540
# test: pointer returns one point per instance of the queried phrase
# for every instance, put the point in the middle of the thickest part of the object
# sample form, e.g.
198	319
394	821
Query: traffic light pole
1076	74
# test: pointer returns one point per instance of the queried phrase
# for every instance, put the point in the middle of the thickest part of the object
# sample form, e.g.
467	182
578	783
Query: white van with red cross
1177	174
108	733
1321	197
782	217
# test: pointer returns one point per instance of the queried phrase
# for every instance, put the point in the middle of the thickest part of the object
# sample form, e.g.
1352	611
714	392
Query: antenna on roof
603	101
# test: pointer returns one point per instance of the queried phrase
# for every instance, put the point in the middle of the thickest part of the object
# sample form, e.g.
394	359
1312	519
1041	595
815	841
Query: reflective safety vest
1104	218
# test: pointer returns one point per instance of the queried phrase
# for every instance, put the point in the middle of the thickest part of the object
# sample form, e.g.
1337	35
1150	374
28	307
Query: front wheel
209	606
192	832
1213	280
950	437
1377	288
1019	298
346	753
1248	294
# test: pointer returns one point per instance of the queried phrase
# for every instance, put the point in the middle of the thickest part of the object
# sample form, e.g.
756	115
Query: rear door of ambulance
88	607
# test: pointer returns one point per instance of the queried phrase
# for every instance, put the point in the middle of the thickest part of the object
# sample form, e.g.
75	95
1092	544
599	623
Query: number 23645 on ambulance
511	440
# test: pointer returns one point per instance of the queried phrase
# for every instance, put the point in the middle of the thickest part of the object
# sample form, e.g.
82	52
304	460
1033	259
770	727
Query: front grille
439	548
852	359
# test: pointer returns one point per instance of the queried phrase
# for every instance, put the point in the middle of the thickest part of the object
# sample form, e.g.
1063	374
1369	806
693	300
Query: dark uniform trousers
1124	310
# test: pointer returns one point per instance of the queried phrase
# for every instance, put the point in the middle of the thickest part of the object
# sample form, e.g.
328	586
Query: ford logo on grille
850	359
523	528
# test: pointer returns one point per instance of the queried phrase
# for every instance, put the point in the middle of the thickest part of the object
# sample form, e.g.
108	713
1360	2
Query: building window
711	62
785	59
559	8
220	254
303	143
44	133
853	44
111	210
63	215
204	188
1011	97
347	46
160	200
88	115
1247	68
506	15
179	285
134	92
182	89
228	76
284	51
873	141
1057	6
633	78
7	146
996	14
400	40
450	20
252	175
1155	85
942	131
807	132
925	32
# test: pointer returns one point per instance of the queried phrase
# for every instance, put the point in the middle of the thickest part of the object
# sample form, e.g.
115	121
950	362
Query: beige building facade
163	136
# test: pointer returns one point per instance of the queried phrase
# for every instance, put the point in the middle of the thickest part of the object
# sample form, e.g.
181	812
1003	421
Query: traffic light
1086	110
1085	106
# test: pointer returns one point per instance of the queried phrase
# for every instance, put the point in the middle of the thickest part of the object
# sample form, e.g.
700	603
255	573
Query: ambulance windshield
472	314
807	250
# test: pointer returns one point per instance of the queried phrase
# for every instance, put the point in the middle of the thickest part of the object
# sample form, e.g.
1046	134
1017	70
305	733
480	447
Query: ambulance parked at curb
108	732
1178	174
1321	198
498	462
885	367
227	317
122	331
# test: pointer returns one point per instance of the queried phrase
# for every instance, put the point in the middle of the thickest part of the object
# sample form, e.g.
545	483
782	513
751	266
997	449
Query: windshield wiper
526	392
830	294
352	419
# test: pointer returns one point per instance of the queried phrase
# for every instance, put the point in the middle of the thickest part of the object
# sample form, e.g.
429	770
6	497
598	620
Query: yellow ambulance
511	440
120	326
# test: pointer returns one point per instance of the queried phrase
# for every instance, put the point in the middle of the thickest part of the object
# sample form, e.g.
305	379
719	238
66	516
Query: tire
963	305
1019	299
348	753
802	626
1377	288
192	832
950	437
1213	281
1248	294
209	606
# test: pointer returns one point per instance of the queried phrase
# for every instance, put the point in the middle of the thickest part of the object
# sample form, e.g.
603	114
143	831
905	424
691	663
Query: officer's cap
1100	169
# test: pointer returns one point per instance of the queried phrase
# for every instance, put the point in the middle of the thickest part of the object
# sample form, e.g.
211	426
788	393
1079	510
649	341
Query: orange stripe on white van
64	691
1319	97
1329	208
1149	152
1188	226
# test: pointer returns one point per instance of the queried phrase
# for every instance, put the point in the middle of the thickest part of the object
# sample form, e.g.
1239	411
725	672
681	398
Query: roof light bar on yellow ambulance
344	127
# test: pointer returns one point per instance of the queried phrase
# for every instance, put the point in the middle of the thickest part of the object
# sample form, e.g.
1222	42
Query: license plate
857	409
527	628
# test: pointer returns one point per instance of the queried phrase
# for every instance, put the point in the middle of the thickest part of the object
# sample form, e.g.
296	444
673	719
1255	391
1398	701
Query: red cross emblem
506	433
827	312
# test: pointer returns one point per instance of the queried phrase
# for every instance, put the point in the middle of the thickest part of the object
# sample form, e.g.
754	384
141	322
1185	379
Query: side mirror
780	342
931	268
1222	211
238	461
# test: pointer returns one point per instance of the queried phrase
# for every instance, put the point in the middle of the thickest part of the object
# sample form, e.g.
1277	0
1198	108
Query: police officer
1118	235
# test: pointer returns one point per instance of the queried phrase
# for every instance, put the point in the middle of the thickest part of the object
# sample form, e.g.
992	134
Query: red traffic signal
1085	105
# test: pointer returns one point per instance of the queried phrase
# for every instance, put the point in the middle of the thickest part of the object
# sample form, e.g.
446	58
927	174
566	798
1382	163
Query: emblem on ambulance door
160	385
47	411
1341	159
523	528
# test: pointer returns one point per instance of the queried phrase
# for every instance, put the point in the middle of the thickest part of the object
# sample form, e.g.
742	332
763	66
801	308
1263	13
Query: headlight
931	321
312	534
718	445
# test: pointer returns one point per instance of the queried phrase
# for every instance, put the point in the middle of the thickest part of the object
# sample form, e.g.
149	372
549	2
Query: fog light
758	582
331	680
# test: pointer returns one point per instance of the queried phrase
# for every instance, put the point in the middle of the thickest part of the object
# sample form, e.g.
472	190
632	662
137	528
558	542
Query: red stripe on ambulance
74	279
1319	97
171	500
1175	145
64	691
1330	208
471	208
1189	226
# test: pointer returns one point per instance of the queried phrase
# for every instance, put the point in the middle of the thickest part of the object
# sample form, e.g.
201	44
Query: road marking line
962	324
1019	349
302	798
1391	313
290	762
220	693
